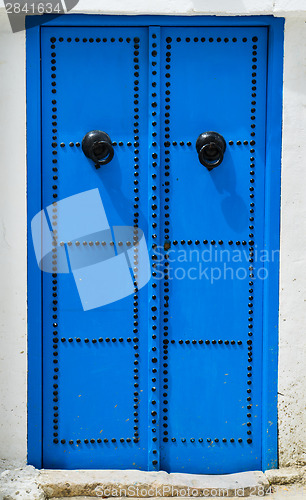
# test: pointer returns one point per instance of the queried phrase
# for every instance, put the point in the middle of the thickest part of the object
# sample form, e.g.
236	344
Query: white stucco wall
13	343
292	326
13	331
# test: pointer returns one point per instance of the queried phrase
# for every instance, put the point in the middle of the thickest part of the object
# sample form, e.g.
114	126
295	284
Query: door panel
168	377
211	89
212	79
94	360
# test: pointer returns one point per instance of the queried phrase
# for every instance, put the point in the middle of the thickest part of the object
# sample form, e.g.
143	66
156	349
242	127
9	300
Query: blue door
166	373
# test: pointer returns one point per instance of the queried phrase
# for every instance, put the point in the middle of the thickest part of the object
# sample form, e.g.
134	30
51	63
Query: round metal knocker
210	147
97	146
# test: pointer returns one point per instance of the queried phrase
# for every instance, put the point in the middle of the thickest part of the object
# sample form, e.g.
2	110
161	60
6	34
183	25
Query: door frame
272	205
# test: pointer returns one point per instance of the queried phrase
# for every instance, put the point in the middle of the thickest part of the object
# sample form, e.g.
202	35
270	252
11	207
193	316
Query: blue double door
168	376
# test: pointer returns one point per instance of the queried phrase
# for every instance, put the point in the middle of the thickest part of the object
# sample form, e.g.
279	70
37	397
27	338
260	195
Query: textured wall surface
13	366
292	338
13	332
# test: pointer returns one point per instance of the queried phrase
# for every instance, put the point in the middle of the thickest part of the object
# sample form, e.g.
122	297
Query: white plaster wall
13	366
13	339
292	351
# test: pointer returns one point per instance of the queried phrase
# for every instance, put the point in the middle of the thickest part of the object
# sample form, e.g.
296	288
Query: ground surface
29	483
295	492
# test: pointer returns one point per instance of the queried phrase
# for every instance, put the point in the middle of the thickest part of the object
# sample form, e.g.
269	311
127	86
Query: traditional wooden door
166	374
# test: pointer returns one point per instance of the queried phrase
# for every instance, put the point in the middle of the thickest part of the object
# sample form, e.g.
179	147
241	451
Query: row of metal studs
100	339
175	242
206	242
207	342
99	441
78	144
154	210
166	144
210	39
209	440
135	440
251	235
136	76
91	40
166	236
97	243
54	250
128	40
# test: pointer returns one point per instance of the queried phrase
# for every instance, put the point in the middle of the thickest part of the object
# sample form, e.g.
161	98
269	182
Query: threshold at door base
141	484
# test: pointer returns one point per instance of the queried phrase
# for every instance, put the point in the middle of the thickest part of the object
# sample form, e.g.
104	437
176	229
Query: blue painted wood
154	238
204	407
92	387
151	20
216	218
272	234
34	276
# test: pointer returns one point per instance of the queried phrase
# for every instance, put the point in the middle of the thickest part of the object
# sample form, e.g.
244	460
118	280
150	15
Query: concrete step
140	484
295	492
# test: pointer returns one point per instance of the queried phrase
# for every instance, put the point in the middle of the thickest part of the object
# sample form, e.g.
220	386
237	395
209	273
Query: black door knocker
210	147
97	146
